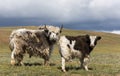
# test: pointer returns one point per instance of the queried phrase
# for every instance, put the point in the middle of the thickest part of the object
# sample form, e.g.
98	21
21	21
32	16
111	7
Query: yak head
52	32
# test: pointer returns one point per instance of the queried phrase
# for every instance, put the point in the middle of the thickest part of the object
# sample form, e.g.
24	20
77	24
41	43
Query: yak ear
87	36
61	28
42	27
99	37
46	29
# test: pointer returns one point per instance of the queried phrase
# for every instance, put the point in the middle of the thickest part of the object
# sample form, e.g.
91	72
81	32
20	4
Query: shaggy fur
34	42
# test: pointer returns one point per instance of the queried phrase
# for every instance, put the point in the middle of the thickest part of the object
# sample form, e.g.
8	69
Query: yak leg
13	62
16	58
63	65
81	62
46	62
46	56
19	59
84	63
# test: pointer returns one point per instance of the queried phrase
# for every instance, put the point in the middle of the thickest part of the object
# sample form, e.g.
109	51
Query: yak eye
49	33
57	33
46	31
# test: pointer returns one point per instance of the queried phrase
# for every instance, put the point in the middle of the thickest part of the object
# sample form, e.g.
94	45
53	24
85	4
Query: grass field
105	58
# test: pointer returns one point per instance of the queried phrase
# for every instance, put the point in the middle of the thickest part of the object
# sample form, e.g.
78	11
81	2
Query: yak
38	42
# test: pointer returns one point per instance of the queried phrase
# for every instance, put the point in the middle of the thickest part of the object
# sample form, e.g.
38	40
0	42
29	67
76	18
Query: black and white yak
77	46
38	42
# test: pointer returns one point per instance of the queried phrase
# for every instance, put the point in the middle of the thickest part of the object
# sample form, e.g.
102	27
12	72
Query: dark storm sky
73	14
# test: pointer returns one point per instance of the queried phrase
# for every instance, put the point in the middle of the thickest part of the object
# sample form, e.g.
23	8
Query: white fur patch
92	40
66	51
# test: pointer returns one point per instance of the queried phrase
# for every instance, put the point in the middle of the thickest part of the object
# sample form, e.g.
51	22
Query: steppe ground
105	58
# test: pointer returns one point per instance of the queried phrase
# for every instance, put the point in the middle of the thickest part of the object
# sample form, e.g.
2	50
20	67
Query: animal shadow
73	68
38	64
33	64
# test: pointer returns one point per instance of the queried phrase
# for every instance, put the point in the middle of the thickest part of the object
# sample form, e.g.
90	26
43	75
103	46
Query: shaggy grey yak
38	42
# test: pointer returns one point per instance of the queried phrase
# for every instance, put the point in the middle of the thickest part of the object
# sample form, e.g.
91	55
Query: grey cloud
61	11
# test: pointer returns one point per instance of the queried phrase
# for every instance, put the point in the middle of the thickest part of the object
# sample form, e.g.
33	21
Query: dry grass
105	58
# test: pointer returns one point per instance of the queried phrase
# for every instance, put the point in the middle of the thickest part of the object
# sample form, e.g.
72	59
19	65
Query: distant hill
107	38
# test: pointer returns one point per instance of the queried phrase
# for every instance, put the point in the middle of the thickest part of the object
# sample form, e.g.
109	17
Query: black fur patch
68	46
71	38
82	43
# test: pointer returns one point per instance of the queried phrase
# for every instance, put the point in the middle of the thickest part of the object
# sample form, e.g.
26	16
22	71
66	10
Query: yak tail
13	48
13	58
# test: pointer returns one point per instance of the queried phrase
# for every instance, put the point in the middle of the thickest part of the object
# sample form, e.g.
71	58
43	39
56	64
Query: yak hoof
64	71
12	62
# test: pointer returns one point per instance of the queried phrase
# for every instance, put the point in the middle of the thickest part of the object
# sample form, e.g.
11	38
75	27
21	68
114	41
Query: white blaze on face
92	40
53	36
54	32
